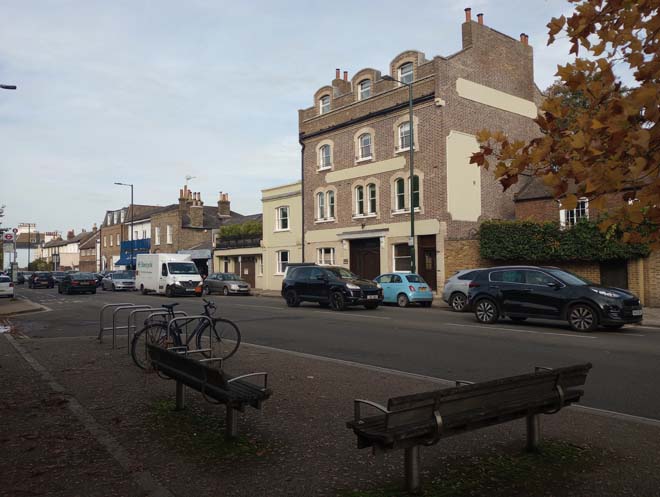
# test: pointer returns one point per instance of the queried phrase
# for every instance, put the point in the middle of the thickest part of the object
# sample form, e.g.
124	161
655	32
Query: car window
341	273
82	276
316	273
569	278
414	278
5	279
396	278
302	273
538	278
508	276
386	278
468	276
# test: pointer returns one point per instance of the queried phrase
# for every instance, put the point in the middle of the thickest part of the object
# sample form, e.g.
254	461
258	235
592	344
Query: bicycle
225	339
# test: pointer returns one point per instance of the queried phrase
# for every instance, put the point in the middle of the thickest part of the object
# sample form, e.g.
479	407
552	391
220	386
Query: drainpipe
302	191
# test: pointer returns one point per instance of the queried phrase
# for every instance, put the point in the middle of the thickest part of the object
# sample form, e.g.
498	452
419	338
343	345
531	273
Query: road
433	342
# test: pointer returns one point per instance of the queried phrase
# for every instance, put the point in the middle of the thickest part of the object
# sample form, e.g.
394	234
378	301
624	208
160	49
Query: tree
607	142
39	265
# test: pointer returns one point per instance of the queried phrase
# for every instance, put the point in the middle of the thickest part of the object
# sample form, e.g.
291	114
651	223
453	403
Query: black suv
41	279
521	292
330	286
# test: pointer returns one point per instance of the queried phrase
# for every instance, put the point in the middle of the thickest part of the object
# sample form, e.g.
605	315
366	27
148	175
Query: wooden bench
215	385
424	418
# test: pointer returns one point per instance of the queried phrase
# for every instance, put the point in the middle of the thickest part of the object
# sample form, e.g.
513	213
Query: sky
149	91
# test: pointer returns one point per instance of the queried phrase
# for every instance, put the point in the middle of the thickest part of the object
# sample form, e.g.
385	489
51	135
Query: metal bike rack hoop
114	319
103	309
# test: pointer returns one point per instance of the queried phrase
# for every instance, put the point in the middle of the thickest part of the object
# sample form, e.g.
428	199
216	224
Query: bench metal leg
180	396
412	463
533	432
231	427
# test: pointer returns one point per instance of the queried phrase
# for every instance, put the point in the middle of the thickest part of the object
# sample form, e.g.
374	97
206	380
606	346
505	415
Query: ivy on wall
529	241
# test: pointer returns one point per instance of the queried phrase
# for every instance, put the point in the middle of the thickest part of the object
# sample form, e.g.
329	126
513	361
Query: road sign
8	237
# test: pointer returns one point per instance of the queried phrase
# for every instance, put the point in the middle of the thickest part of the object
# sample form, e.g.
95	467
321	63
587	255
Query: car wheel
582	317
143	290
486	311
517	319
169	291
225	291
337	301
371	306
291	298
402	300
457	301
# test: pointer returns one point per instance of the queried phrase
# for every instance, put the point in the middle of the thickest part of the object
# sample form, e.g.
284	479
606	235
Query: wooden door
248	265
365	257
426	260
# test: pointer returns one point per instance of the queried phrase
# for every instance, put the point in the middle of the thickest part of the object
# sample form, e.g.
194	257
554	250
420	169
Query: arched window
400	194
364	89
359	200
371	195
365	146
324	104
406	73
330	197
415	192
320	205
324	157
404	136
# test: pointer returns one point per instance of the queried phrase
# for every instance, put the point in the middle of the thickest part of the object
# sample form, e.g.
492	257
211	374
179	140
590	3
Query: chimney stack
480	19
468	14
224	210
337	73
524	39
94	228
345	75
70	234
197	211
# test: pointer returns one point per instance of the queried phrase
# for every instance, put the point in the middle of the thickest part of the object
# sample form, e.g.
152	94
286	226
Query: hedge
247	229
528	241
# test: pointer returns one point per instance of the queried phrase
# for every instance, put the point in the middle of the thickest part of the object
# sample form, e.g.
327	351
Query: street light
411	242
8	87
132	247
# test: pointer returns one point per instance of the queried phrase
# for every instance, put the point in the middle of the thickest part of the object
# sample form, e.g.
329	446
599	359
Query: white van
169	274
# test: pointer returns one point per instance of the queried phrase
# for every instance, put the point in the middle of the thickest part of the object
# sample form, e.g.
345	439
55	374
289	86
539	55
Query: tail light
11	285
411	288
74	283
474	284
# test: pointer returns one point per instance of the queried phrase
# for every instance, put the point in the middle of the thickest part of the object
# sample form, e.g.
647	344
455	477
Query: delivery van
169	274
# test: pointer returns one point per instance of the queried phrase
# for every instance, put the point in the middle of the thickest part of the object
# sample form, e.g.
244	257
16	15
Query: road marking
338	315
523	331
261	306
618	415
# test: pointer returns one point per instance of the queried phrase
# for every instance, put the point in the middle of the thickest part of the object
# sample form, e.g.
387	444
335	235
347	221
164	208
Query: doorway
427	260
247	268
365	257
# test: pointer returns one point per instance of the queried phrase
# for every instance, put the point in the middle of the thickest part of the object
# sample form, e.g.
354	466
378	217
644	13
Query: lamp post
411	161
131	237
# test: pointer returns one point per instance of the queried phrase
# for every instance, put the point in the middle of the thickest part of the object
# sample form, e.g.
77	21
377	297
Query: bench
411	421
215	385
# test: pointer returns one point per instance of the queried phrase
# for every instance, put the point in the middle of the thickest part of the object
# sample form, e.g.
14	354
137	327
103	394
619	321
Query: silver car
121	280
456	289
225	283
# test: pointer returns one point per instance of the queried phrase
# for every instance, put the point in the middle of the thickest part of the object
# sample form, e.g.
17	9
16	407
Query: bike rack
189	319
155	311
114	319
103	309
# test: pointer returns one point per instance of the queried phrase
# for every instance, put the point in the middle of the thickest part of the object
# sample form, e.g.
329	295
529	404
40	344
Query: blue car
404	288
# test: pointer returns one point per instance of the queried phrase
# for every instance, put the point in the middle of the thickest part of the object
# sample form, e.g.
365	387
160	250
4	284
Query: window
157	235
415	192
386	278
570	217
331	204
326	256
105	242
406	73
510	276
324	157
163	269
371	194
365	89
122	216
261	266
539	278
324	104
359	201
282	261
396	278
364	142
401	257
135	235
404	136
144	233
111	240
118	240
168	233
282	218
400	193
320	205
116	217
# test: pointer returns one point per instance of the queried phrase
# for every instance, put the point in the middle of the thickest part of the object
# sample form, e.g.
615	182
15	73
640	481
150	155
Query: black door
509	285
317	285
541	298
365	257
614	274
426	260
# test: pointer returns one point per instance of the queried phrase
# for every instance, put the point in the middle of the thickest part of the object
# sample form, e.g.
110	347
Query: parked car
99	279
77	283
22	277
58	276
291	265
6	287
225	283
120	280
332	286
455	292
405	288
521	292
41	279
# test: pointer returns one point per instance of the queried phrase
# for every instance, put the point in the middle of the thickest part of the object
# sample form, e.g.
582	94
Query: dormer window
324	104
364	89
406	73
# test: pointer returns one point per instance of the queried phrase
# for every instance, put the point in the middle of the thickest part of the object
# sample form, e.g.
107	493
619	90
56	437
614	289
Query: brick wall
537	210
651	272
182	238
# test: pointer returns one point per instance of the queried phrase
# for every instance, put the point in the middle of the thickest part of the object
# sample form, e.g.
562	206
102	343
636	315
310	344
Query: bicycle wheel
226	338
154	333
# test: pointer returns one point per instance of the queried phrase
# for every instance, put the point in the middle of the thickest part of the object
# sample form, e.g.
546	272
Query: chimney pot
480	18
523	38
345	75
337	73
468	14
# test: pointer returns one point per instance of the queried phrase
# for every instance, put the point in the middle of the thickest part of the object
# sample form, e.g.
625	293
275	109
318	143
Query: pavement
11	307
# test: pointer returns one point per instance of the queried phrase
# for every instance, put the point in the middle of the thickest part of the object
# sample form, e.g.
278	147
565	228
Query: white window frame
324	104
411	73
364	86
122	215
359	201
394	258
325	160
570	217
105	241
325	256
398	195
157	235
279	218
118	240
371	187
280	262
116	217
330	204
144	234
168	234
363	148
402	135
320	206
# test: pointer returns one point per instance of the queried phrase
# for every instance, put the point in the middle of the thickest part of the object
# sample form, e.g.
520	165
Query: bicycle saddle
170	306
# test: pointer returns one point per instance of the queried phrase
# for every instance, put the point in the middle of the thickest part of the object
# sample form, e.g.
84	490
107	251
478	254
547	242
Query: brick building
111	236
355	147
90	252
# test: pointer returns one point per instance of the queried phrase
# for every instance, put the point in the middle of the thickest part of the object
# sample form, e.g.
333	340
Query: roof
533	189
37	239
211	220
91	241
60	242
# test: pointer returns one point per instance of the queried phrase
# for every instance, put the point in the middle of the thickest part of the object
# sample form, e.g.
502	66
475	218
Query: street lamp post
131	237
411	161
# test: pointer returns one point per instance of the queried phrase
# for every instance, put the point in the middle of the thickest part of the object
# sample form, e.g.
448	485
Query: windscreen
341	273
231	277
569	278
124	275
182	268
83	276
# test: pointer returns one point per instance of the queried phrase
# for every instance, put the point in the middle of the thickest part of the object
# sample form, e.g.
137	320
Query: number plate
372	297
637	312
422	288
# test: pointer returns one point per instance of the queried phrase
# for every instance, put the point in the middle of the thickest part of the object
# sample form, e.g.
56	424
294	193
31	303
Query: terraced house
357	189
